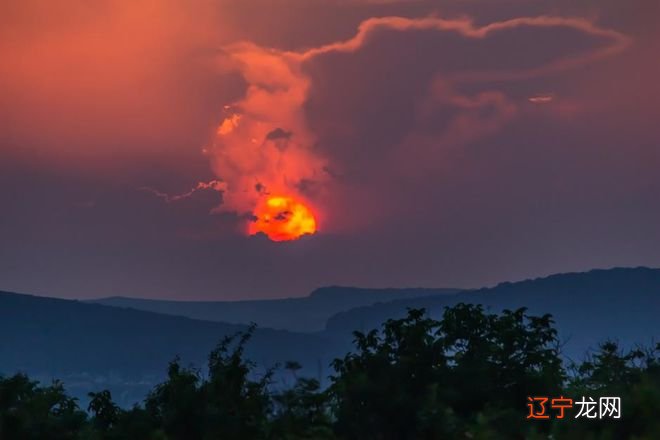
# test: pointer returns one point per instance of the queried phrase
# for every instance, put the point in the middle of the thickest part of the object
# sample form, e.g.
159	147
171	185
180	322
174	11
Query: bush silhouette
466	375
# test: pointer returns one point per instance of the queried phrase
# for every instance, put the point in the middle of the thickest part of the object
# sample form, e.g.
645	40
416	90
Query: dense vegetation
467	375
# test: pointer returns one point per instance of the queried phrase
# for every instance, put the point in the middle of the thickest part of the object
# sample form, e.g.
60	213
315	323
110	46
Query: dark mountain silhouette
95	346
296	314
622	304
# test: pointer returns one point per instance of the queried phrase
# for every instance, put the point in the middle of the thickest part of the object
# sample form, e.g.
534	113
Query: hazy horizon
310	292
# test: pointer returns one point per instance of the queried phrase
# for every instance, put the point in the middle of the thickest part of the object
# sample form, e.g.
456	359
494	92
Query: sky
439	143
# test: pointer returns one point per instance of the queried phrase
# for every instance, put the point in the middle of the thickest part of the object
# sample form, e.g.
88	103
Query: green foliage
176	405
382	390
227	404
632	375
28	411
466	375
105	412
421	378
301	412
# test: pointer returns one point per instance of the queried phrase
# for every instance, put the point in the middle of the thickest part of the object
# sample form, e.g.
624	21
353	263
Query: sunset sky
444	143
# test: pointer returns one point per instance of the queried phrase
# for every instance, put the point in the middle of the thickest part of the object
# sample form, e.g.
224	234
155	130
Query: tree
105	411
228	404
177	405
634	376
466	375
422	378
301	412
29	411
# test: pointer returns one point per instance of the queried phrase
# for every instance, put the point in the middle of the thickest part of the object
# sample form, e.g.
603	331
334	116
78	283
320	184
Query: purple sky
441	143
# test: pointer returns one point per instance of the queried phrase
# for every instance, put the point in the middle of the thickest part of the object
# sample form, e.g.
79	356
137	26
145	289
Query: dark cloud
278	133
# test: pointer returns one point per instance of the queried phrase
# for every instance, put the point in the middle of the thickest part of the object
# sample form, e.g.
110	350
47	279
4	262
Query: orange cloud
265	146
134	78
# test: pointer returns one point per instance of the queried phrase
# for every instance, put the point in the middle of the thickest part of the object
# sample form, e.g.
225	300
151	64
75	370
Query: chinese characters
544	408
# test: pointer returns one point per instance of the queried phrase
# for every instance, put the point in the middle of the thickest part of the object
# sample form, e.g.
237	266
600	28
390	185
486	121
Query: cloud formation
424	140
265	144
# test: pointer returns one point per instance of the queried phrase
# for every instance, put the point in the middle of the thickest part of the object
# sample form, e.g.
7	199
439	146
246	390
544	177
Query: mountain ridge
588	307
94	346
302	314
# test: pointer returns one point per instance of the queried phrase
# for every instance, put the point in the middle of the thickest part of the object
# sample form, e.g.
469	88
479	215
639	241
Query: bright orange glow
283	218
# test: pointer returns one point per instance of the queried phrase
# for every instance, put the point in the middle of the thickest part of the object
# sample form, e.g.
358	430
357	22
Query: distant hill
305	314
621	304
93	346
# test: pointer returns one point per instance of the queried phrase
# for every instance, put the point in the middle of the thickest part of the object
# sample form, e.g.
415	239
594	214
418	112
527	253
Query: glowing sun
282	218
